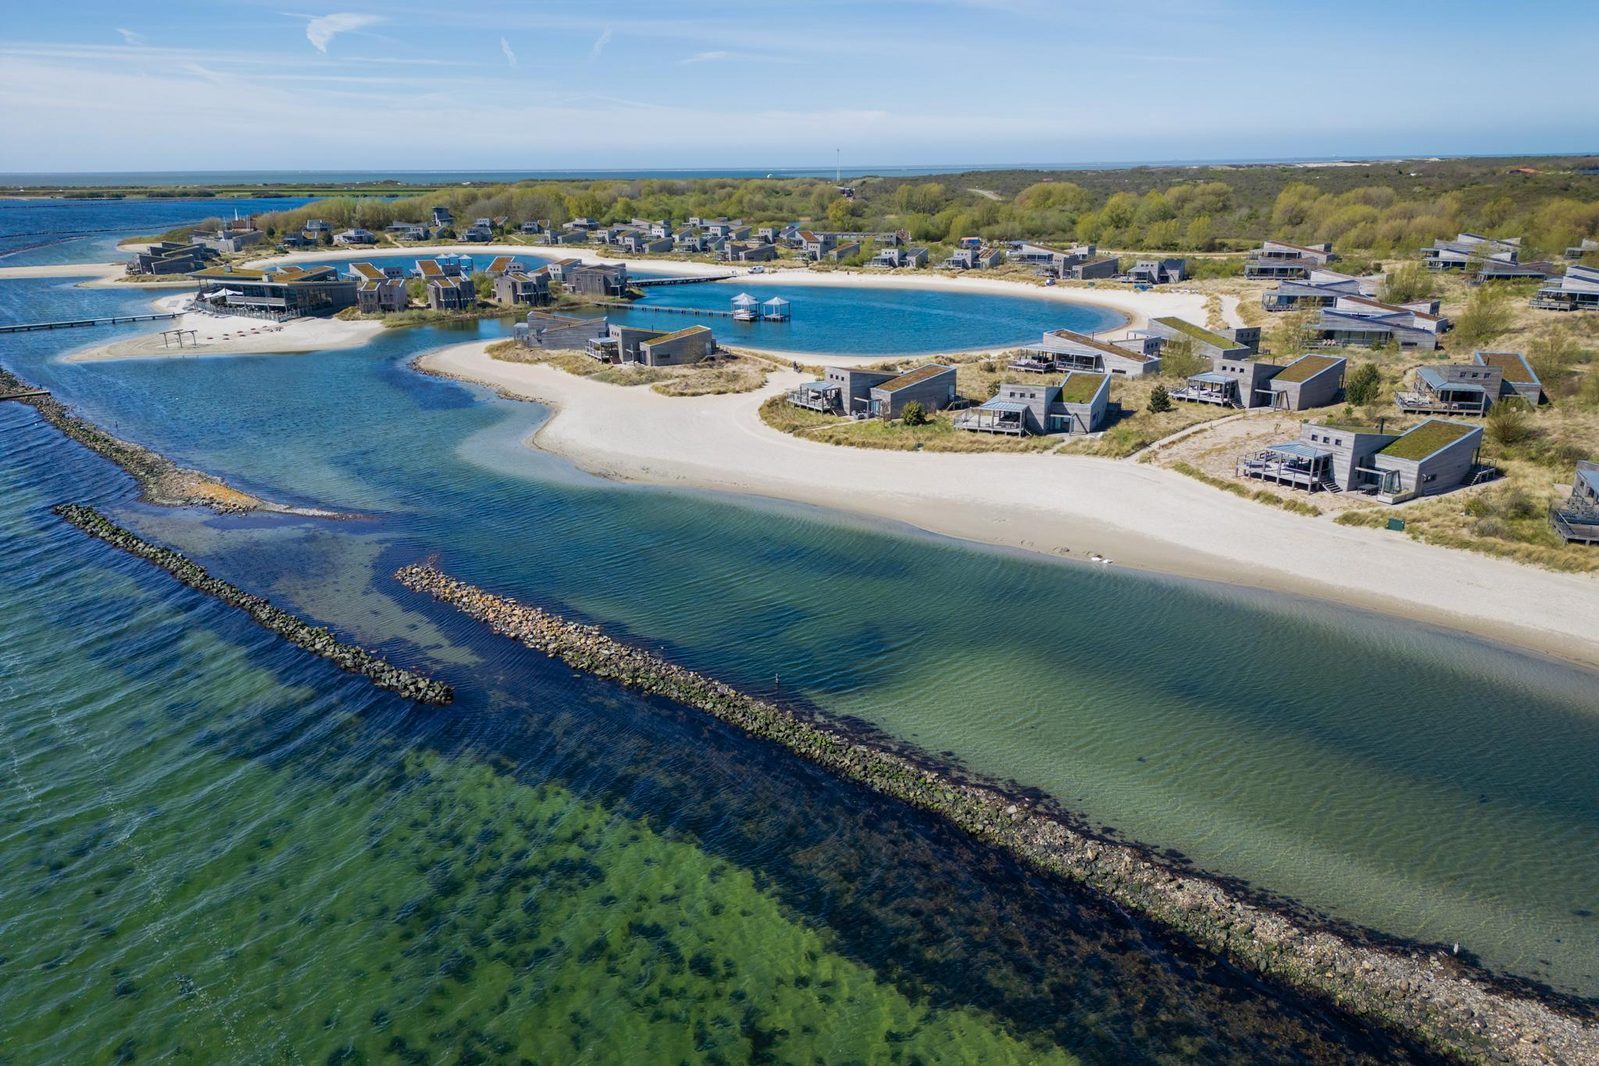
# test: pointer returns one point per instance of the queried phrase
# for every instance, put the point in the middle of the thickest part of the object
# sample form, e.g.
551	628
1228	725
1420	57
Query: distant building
974	258
749	253
381	295
1578	290
171	258
652	347
481	231
1239	343
522	287
281	292
228	239
1362	321
606	280
1320	288
1486	258
558	269
1064	350
897	255
407	231
1076	405
533	227
356	235
1157	271
503	264
451	293
1588	246
1280	259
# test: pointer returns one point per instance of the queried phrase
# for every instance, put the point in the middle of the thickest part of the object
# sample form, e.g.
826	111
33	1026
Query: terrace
1209	387
995	416
1293	463
823	396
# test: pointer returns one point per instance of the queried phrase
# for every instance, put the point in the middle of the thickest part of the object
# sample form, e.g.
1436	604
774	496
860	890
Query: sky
581	84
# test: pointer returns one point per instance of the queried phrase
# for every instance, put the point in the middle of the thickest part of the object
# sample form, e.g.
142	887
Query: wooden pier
23	394
79	323
645	283
705	311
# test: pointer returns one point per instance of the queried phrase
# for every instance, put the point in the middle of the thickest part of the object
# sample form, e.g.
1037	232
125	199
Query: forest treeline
1386	210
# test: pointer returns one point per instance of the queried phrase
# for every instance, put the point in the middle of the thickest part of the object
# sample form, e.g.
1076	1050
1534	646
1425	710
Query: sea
219	848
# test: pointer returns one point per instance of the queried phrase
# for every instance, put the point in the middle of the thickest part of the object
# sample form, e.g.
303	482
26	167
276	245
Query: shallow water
1425	784
47	232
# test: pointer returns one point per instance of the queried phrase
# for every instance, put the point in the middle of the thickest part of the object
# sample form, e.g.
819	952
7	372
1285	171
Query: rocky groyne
160	479
315	639
1425	992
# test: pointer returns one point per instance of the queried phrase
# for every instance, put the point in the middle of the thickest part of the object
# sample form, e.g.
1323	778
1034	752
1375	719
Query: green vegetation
736	372
1197	333
1178	360
1159	401
913	414
1238	488
1080	387
1363	385
1488	316
1508	422
1426	439
937	434
1406	283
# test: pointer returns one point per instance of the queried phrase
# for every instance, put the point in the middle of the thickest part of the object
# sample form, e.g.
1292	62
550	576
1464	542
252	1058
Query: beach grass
729	373
937	434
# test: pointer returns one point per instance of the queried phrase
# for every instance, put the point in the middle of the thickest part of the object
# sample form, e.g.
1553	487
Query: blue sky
552	84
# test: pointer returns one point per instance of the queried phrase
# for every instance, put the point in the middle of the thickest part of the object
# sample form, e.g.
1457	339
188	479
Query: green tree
1363	385
1487	315
1159	400
913	414
1177	360
1406	283
483	286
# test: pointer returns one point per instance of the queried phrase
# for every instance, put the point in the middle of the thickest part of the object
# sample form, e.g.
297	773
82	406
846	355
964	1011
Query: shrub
1491	527
1507	423
1364	384
1487	315
1159	400
914	414
1407	282
1177	360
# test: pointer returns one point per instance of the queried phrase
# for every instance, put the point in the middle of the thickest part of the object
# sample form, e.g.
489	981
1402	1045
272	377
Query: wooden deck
23	394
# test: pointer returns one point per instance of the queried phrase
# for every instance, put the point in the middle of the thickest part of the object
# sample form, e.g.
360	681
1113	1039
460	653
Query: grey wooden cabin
1577	519
608	280
1064	349
381	295
1240	343
1076	405
687	345
1281	259
843	390
526	288
1576	290
1309	381
932	386
1231	383
1434	457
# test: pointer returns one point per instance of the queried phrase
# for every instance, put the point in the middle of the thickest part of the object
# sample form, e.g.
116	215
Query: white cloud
321	29
505	50
129	37
705	57
600	42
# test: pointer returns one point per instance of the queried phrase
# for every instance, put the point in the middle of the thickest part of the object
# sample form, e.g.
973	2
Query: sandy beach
231	335
1065	506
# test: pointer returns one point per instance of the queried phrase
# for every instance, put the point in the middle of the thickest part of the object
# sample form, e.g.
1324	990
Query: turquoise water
828	320
1424	784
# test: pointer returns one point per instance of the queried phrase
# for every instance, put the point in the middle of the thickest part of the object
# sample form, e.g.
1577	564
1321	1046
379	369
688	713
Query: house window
1429	478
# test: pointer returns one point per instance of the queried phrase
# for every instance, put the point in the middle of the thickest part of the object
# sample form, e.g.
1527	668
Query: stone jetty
1423	991
315	639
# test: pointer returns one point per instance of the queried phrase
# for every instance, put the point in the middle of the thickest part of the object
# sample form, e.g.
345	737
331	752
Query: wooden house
1076	405
451	293
1280	259
1239	343
843	390
1319	288
501	265
1576	290
1064	349
1239	383
282	292
357	235
932	386
523	287
1431	458
606	280
1518	379
1309	381
687	345
1577	519
381	295
1157	271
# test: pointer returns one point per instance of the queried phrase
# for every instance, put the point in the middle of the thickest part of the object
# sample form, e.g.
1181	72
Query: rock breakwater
315	639
160	479
1424	992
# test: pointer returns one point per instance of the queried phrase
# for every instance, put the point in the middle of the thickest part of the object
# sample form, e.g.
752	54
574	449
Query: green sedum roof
1198	333
1427	438
1080	387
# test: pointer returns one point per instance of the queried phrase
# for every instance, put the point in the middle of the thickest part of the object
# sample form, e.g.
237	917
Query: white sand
232	335
100	271
1135	514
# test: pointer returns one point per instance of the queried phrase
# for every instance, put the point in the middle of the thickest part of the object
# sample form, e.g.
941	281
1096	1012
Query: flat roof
915	377
1198	333
1514	365
1429	438
1098	345
1080	387
1298	450
1306	367
688	331
1010	406
1211	377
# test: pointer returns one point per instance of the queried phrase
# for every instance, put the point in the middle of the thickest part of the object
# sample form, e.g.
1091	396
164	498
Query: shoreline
1136	307
224	335
1423	991
1059	506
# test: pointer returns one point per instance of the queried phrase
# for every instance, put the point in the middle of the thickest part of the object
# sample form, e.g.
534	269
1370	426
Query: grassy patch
732	373
938	434
1245	492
